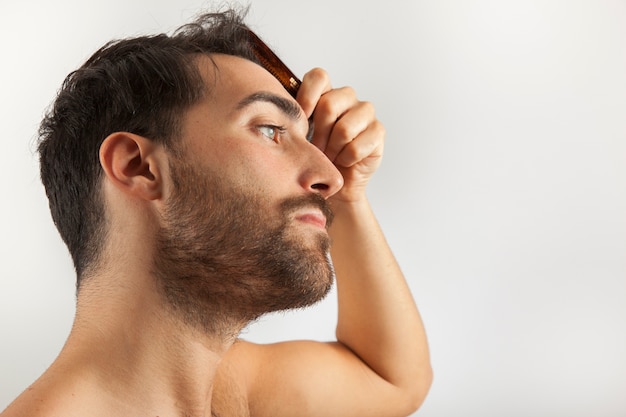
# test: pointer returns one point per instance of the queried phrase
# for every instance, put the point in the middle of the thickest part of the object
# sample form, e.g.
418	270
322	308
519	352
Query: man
194	196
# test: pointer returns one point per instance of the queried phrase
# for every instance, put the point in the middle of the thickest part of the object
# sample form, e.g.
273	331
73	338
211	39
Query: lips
312	217
311	209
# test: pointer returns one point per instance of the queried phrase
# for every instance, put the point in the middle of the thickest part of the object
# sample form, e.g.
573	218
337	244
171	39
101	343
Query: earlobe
131	162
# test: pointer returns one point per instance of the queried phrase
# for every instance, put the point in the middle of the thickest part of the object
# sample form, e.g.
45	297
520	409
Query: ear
133	164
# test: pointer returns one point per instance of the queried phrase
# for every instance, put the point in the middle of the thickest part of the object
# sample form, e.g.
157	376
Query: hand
346	130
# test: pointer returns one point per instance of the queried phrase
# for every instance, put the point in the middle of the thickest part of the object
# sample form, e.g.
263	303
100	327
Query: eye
271	132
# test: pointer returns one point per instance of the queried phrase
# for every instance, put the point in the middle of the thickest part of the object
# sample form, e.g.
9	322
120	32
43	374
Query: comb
274	65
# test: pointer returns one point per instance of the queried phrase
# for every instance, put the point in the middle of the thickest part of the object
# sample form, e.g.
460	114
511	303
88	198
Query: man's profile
195	193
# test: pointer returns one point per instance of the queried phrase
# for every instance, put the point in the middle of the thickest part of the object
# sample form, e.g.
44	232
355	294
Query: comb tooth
288	81
274	65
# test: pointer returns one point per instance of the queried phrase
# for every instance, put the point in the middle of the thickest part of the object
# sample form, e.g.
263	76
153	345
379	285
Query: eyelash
278	130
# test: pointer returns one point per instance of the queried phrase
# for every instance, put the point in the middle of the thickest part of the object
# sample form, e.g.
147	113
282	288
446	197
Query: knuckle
348	92
349	155
317	75
326	105
378	128
343	130
368	107
337	101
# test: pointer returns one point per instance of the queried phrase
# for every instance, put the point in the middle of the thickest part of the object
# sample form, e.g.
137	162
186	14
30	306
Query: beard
225	256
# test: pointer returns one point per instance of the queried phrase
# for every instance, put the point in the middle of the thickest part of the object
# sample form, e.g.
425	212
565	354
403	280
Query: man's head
241	205
140	85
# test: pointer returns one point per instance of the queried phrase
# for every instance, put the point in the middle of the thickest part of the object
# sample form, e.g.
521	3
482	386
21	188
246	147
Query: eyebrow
288	107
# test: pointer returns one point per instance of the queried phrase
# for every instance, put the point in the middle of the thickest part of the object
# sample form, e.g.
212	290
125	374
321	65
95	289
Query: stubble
226	256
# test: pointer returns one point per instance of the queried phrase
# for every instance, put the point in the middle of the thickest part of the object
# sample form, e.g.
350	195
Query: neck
138	354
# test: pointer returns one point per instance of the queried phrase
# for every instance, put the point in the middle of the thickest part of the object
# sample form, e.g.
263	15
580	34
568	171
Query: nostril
320	186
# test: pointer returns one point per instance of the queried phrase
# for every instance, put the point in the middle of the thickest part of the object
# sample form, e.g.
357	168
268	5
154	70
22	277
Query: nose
318	174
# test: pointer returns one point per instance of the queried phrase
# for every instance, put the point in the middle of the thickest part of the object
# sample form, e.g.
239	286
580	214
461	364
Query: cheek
264	170
252	165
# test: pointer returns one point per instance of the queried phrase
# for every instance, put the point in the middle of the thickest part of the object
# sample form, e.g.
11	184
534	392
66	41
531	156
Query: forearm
378	319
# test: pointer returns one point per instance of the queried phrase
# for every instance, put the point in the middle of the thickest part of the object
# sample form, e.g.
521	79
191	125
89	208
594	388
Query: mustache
310	200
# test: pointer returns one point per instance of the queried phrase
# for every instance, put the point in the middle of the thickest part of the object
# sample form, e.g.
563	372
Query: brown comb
274	65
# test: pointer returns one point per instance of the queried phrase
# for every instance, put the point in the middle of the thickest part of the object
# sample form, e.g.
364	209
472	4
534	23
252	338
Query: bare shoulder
279	379
306	378
27	404
59	392
42	399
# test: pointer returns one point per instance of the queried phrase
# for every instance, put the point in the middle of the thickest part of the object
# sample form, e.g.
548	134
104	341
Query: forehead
230	78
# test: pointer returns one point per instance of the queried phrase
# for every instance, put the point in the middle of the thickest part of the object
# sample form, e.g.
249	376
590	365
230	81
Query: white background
503	191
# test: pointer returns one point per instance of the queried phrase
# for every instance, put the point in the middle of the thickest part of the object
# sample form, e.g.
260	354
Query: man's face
245	227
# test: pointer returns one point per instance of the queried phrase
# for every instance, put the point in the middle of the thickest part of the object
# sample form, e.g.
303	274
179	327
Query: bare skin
128	355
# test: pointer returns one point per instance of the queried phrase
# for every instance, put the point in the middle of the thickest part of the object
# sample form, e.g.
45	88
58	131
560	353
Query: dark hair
140	85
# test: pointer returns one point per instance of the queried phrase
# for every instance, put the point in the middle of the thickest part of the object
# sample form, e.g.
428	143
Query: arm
378	319
380	364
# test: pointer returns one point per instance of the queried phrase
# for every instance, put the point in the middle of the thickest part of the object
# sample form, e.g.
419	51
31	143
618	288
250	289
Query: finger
330	108
366	147
350	125
315	84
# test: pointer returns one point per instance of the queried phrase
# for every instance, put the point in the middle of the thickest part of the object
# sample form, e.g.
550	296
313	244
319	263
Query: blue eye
271	132
267	131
